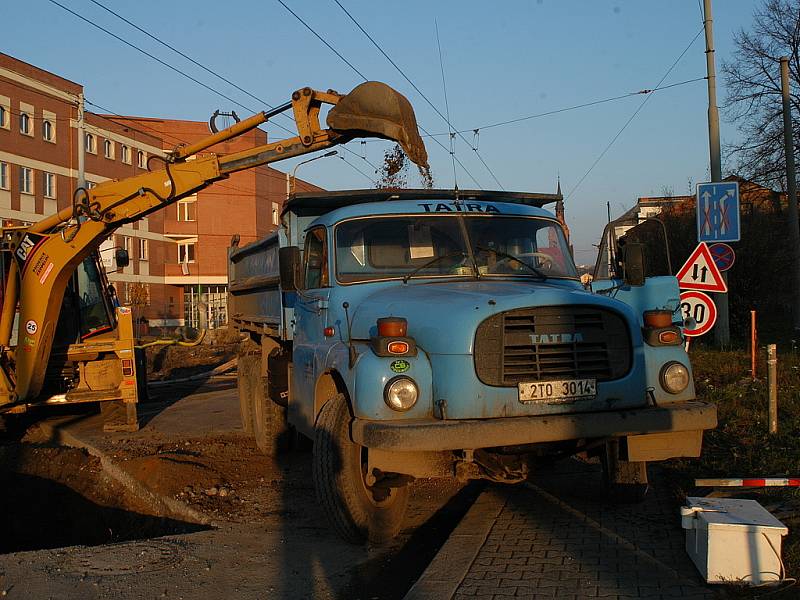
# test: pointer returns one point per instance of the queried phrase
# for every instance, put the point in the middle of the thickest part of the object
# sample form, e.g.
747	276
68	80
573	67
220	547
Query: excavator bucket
374	109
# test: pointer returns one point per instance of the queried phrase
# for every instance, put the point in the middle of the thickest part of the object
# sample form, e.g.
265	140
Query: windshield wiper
502	254
432	262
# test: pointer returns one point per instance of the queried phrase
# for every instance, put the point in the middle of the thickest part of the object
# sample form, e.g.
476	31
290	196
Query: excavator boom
47	253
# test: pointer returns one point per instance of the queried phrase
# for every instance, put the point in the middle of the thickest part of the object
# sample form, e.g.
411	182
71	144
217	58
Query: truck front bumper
432	435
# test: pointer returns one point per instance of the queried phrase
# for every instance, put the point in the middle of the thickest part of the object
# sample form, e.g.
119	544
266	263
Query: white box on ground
733	540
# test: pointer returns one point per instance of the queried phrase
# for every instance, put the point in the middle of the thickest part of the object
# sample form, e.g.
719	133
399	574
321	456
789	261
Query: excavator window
94	307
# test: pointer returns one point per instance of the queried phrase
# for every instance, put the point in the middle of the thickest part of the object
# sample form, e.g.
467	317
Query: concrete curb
164	506
453	561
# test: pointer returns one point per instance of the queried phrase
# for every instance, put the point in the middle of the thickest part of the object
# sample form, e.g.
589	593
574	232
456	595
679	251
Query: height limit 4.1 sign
700	272
718	212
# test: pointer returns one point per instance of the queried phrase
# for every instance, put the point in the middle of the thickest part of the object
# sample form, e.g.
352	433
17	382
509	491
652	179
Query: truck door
311	319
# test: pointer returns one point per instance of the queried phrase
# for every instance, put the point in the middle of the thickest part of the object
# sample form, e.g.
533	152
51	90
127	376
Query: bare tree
753	83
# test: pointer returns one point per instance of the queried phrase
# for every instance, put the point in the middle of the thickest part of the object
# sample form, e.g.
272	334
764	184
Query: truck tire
356	511
270	426
625	481
246	372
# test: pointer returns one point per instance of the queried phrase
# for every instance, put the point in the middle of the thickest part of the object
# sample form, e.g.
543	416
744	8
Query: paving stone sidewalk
556	539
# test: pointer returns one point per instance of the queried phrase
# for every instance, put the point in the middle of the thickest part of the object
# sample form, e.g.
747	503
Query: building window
3	176
125	154
25	126
143	250
187	209
91	143
186	252
141	159
25	180
108	149
125	242
90	185
4	119
276	213
48	131
49	185
211	299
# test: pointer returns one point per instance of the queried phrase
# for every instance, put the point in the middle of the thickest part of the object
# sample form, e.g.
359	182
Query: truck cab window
316	259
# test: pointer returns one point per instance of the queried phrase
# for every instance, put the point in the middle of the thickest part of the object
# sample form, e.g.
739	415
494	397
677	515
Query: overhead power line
633	116
360	74
419	91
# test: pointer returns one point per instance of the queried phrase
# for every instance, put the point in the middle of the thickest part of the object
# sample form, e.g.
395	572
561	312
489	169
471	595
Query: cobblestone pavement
556	539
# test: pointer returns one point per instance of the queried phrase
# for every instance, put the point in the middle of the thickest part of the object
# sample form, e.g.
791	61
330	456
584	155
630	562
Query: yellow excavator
63	337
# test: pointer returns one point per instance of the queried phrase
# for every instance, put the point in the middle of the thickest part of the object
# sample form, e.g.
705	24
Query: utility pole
722	331
791	189
81	141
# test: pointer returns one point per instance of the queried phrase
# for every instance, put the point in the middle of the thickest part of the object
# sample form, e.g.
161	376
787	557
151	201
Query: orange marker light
392	327
397	347
668	337
657	318
329	331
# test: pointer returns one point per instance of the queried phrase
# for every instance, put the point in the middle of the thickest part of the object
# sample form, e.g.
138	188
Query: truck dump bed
254	302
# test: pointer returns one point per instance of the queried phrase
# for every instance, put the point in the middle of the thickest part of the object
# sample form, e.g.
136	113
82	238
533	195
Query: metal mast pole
81	142
722	331
791	189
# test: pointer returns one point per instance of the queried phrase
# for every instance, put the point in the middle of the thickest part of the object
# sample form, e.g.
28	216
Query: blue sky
501	60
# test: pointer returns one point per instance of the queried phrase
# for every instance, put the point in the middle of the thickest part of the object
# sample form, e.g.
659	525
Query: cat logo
26	248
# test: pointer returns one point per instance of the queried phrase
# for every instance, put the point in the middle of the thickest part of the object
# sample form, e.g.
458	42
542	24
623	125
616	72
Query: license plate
557	391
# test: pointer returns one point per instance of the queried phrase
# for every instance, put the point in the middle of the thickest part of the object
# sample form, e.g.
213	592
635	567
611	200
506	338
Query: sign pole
722	332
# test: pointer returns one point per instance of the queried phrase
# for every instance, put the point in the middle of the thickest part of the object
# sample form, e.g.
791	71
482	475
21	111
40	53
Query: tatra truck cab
433	333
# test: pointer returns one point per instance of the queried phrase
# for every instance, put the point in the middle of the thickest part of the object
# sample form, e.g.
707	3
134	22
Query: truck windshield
389	247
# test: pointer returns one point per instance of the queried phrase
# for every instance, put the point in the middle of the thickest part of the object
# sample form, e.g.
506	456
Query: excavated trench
55	496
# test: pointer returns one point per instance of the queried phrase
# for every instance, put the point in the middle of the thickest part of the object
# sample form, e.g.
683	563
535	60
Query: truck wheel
246	371
625	482
270	427
356	511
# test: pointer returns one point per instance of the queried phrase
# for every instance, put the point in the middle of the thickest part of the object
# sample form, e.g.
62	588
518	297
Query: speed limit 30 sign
699	307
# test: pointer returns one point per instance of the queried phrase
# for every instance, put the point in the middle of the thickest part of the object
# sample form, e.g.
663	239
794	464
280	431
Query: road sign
700	272
699	307
718	212
723	255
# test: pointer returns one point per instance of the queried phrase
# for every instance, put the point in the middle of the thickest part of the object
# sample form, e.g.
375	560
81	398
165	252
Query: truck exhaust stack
374	109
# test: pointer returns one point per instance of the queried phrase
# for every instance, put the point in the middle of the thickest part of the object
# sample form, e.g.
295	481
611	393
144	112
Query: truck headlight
400	393
674	377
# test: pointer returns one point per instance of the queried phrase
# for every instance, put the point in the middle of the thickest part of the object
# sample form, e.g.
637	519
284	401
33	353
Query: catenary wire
431	104
633	116
442	146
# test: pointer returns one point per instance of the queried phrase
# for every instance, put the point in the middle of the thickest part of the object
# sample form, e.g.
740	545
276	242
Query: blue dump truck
441	333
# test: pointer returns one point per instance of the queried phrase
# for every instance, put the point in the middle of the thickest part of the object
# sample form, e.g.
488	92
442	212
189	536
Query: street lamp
293	177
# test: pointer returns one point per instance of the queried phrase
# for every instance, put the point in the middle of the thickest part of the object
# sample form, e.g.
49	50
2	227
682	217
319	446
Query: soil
54	496
175	362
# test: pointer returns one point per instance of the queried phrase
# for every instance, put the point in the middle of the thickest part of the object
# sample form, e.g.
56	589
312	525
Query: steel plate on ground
557	391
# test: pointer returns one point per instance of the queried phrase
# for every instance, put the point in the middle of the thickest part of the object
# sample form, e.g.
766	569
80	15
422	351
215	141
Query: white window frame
27	119
90	143
49	182
47	126
276	213
183	252
125	243
183	209
141	159
109	150
5	175
144	251
125	154
5	116
26	182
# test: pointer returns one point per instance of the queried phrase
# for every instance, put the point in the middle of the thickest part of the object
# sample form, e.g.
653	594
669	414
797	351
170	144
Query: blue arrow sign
718	212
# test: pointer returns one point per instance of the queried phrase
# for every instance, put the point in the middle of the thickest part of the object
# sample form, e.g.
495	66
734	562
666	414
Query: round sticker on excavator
400	366
31	327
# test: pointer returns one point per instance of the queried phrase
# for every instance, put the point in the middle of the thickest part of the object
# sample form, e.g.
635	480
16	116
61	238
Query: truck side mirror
121	258
633	260
289	264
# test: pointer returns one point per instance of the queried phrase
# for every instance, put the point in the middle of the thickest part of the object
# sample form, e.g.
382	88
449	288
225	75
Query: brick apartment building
177	273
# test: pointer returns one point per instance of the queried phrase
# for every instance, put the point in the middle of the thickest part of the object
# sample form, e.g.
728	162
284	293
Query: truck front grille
558	342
